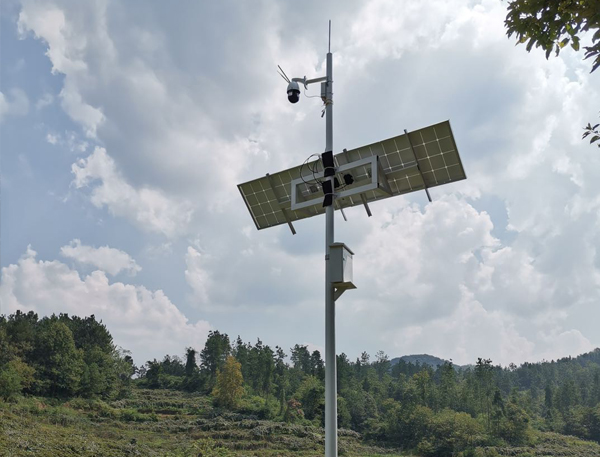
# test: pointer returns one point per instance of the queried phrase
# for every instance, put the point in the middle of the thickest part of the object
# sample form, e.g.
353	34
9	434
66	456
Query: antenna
329	49
283	75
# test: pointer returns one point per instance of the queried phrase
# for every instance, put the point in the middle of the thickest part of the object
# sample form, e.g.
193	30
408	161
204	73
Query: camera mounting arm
306	82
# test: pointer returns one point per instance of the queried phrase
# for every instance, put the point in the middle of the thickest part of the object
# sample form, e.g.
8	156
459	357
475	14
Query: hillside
158	423
66	390
421	359
175	424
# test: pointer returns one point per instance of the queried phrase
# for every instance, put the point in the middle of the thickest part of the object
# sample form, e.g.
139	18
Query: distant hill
422	359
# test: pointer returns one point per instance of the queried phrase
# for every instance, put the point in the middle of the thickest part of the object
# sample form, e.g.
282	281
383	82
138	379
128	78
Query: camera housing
293	92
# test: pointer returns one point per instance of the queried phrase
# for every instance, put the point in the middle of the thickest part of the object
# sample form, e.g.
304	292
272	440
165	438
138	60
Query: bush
10	383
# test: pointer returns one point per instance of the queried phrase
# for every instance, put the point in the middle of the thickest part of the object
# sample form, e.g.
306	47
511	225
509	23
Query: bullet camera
293	92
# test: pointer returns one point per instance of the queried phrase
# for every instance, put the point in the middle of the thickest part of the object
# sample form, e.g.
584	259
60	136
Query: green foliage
59	362
514	424
440	411
593	132
228	390
10	382
311	395
551	25
215	352
204	448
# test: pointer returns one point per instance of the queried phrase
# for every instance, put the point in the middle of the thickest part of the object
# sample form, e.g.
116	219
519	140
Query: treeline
433	410
60	356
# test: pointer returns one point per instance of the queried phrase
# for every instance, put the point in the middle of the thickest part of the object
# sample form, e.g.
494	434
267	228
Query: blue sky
125	127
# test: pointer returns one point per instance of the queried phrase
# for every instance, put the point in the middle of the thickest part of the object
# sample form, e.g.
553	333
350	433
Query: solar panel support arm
339	206
283	211
383	182
364	200
412	149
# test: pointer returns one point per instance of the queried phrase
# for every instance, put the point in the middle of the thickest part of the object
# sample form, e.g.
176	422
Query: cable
310	96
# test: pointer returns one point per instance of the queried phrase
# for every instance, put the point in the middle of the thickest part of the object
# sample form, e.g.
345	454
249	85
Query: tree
311	395
448	394
15	376
282	382
317	365
228	389
382	363
60	363
301	359
344	371
215	352
514	425
10	382
240	352
484	376
190	362
154	374
552	25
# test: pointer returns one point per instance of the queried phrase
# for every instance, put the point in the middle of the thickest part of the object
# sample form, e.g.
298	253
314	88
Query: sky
127	125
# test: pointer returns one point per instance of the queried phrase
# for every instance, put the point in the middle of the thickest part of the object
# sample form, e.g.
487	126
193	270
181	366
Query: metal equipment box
340	257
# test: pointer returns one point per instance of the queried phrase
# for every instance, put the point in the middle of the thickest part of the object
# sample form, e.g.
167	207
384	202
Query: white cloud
45	100
141	320
149	209
186	117
69	140
16	105
67	54
197	277
436	280
109	260
470	331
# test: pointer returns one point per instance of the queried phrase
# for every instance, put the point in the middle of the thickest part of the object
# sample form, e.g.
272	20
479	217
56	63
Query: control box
340	257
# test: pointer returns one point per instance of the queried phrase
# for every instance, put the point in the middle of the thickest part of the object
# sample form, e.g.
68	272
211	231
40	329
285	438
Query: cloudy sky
126	127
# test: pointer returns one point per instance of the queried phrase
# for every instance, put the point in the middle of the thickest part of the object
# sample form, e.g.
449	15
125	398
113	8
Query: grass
158	423
175	424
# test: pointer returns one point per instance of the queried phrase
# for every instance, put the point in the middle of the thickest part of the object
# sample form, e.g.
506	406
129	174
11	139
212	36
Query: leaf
594	139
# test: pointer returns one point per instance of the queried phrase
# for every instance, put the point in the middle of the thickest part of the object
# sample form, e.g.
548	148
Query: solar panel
406	163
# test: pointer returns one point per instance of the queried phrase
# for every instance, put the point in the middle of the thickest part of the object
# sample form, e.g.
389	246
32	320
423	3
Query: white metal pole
330	358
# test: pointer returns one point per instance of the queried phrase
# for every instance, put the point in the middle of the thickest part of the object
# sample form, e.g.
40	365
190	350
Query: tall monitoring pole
413	161
330	354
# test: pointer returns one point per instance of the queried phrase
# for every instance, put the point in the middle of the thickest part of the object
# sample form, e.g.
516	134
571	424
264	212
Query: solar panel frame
413	161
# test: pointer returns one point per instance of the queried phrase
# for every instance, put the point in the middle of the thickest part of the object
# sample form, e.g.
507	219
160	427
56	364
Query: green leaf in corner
575	44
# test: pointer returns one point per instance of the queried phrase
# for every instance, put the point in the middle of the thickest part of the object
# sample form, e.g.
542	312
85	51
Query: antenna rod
329	48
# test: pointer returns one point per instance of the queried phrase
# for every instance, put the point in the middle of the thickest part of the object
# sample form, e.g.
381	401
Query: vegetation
68	391
554	24
59	357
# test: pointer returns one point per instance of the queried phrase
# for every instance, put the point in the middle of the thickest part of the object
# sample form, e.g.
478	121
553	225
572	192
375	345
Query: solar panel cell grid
433	148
